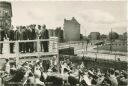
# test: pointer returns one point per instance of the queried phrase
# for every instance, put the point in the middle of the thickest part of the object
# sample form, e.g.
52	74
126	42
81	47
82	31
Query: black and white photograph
63	43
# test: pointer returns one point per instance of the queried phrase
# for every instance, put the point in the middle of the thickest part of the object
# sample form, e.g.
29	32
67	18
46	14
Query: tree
103	37
59	34
125	36
113	36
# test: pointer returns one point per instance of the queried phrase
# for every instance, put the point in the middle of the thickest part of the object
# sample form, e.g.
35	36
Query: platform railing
22	48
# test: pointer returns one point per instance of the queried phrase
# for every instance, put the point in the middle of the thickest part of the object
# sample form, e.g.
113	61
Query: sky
101	16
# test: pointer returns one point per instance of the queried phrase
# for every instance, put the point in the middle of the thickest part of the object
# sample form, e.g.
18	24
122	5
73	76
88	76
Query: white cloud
96	16
53	14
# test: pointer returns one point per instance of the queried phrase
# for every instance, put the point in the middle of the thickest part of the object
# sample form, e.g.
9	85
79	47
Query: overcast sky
92	15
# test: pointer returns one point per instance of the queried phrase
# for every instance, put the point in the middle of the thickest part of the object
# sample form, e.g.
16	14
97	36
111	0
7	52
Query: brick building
5	14
71	30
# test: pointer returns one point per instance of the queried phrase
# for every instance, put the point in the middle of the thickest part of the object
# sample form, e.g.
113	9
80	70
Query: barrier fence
28	48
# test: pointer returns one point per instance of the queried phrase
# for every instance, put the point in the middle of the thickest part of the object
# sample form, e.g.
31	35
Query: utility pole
84	45
111	41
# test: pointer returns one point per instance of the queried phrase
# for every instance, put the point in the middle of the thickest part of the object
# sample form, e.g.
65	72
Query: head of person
117	73
34	26
24	27
111	71
44	26
17	27
7	60
39	27
25	64
124	74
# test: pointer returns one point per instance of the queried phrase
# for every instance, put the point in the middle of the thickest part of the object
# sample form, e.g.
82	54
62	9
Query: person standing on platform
46	43
34	37
2	35
28	44
41	37
24	37
0	40
39	31
44	35
11	38
37	37
17	36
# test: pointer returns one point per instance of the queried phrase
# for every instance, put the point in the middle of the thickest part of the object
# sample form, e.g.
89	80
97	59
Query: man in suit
1	45
24	37
33	36
2	36
41	37
28	44
17	36
10	34
45	36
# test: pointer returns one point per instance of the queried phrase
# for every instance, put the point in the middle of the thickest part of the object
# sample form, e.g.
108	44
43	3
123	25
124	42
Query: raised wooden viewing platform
52	49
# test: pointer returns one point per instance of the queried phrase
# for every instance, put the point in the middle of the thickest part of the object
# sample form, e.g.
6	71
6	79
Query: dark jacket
44	34
17	35
2	35
11	35
33	34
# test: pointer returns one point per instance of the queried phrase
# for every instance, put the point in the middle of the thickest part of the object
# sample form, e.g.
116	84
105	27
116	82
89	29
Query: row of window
5	12
4	23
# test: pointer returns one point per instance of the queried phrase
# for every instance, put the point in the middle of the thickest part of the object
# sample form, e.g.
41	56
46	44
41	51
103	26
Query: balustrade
23	48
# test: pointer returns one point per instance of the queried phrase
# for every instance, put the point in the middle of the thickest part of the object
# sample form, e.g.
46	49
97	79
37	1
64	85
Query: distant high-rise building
5	14
71	30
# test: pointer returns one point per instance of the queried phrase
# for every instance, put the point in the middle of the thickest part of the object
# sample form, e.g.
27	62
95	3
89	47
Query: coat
17	35
44	34
2	35
11	34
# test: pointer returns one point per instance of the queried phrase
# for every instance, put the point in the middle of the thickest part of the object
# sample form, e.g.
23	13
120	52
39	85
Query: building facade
5	15
94	36
71	30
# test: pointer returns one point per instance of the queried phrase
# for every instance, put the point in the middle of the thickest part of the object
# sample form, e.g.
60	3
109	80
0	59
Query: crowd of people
48	72
67	73
30	32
